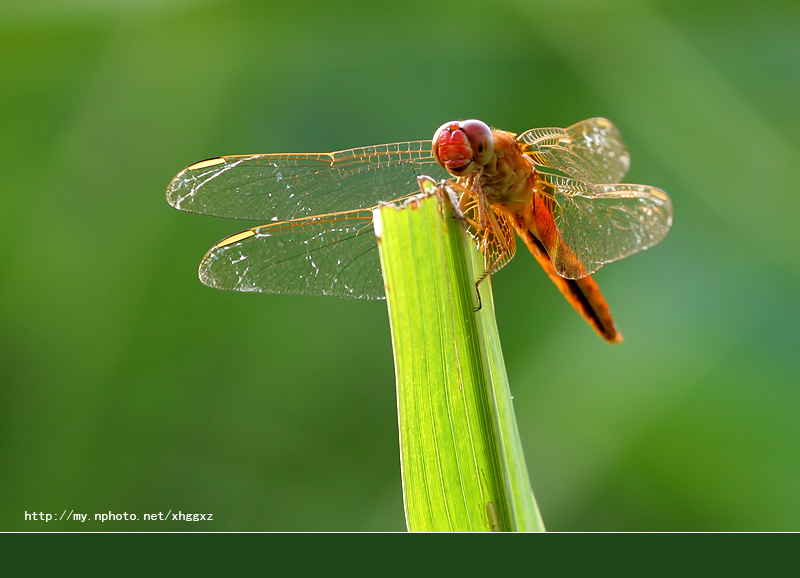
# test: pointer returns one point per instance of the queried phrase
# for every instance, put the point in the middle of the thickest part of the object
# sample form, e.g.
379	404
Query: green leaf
462	462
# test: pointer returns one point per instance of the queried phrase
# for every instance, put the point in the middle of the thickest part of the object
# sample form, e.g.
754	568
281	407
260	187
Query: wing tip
175	191
180	191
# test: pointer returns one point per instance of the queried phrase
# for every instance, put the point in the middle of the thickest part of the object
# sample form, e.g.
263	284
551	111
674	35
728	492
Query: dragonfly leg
504	238
493	231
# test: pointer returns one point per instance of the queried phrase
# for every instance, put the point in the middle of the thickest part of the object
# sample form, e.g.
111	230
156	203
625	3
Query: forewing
606	222
280	187
335	255
591	151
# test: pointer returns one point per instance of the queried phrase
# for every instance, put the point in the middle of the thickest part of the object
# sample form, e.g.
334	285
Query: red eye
480	137
462	147
442	138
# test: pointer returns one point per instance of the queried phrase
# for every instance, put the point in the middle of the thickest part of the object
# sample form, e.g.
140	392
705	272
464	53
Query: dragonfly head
462	147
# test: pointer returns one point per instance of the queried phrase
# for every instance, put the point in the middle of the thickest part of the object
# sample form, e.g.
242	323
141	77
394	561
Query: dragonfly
557	188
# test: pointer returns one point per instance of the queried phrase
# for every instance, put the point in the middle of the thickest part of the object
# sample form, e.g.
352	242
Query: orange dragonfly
556	188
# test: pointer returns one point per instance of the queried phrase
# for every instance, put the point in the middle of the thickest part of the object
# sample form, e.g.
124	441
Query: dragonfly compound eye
453	150
481	140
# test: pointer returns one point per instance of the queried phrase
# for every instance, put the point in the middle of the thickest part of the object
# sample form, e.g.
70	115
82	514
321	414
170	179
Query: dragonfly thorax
507	180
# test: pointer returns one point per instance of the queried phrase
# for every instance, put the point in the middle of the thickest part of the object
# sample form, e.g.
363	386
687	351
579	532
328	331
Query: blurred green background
127	386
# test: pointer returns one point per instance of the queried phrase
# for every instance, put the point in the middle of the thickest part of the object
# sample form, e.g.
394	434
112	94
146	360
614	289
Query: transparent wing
281	187
335	254
592	150
602	223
